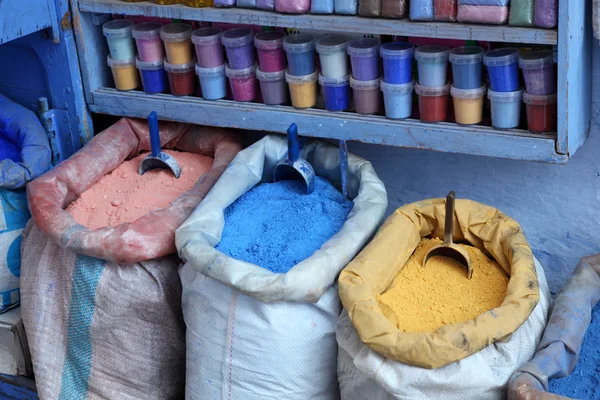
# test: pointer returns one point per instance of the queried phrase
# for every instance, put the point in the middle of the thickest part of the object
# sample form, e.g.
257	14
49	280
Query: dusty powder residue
425	299
124	195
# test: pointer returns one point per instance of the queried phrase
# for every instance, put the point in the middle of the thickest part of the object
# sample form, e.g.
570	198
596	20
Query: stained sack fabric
100	329
558	352
253	334
375	357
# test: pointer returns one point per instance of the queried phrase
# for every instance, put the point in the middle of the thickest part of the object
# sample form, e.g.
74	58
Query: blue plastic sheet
21	127
559	349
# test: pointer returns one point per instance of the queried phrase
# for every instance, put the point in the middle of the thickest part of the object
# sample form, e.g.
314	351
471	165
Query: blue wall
557	206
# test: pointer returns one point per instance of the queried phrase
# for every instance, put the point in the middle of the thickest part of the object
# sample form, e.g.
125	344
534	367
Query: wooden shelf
444	137
20	18
339	23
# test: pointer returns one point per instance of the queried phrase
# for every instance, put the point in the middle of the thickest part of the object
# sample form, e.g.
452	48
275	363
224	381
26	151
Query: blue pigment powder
9	150
584	382
277	225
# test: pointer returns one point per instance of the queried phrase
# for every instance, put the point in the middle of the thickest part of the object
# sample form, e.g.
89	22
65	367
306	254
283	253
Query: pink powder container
147	39
244	86
208	47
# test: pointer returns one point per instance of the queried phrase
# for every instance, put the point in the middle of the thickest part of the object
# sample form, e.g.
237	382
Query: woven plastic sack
257	335
558	352
98	328
375	356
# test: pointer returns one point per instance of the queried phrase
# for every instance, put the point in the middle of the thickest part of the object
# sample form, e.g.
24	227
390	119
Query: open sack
473	359
102	308
253	334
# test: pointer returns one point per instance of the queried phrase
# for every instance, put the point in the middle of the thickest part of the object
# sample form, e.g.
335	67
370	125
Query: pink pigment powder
244	89
123	196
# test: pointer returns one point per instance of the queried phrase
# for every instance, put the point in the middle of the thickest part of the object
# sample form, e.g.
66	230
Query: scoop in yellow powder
425	299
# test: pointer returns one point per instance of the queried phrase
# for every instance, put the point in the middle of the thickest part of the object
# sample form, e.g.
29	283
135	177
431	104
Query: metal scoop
157	159
449	249
295	168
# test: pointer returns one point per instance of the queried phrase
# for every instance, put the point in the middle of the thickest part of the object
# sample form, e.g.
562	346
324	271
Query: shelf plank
339	23
444	137
18	19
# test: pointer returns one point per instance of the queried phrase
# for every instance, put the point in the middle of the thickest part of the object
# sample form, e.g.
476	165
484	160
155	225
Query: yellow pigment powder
425	299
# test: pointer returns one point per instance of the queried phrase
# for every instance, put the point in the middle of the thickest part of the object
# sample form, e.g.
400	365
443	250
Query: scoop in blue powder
584	382
276	225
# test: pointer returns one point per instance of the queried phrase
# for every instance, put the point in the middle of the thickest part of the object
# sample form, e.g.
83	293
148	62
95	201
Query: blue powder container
212	82
421	10
300	51
336	92
506	108
432	61
503	69
397	62
467	66
398	99
154	77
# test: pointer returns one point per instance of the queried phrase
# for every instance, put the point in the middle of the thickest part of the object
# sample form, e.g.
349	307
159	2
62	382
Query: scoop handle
154	135
344	167
449	228
293	147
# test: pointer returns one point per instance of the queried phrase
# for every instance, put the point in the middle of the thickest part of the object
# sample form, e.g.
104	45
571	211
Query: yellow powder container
468	105
199	3
167	2
124	73
303	89
178	44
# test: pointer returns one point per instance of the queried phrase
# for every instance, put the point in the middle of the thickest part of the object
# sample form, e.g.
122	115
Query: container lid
208	35
210	72
175	32
149	65
468	93
237	37
270	76
240	73
120	63
364	85
397	50
363	47
301	79
325	81
334	43
506	97
536	59
146	30
269	40
180	68
466	55
539	99
500	57
432	53
432	90
117	28
397	88
299	43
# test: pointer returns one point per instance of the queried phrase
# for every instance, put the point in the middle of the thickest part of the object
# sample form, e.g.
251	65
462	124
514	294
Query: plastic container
118	37
336	92
433	102
303	90
369	8
292	6
212	82
238	44
182	79
432	62
398	99
272	86
492	15
545	13
539	72
124	73
199	3
506	108
394	8
332	55
468	105
177	43
541	112
224	3
168	2
265	4
367	96
444	10
271	57
397	62
347	7
467	66
300	51
421	10
154	77
503	69
521	12
364	56
321	7
246	3
243	83
209	50
147	38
